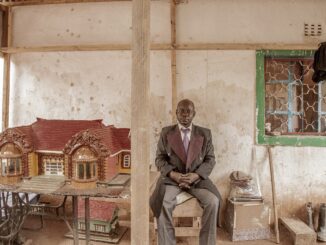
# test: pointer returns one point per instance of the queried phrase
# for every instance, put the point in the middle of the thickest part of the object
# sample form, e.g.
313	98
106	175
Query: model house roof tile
99	210
116	139
27	132
54	134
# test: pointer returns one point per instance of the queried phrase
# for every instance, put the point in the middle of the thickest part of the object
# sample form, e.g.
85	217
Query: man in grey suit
185	157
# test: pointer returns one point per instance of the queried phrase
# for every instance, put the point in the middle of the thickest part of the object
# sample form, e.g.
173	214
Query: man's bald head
186	101
185	112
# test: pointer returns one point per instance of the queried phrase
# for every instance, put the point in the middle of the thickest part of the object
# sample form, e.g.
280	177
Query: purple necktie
185	141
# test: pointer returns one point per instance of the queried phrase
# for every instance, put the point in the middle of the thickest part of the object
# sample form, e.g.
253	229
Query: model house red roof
27	132
116	139
99	210
53	135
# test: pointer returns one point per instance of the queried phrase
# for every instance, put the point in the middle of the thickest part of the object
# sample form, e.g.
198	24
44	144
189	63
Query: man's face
185	113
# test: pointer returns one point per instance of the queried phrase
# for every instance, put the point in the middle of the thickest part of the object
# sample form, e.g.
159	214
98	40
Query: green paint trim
287	53
260	95
284	140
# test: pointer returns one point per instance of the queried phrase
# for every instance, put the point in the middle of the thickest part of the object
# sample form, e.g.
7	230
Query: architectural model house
103	217
83	151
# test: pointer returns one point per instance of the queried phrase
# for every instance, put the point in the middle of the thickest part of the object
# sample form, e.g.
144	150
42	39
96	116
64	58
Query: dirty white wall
85	85
79	85
222	84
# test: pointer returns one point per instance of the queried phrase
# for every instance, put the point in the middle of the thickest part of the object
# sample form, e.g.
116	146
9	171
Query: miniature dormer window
126	161
11	160
85	162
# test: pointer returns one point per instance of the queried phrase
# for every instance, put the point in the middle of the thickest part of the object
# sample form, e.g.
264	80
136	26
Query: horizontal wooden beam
101	47
41	2
246	46
162	46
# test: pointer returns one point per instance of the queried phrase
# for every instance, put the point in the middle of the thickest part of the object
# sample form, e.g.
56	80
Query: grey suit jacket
170	155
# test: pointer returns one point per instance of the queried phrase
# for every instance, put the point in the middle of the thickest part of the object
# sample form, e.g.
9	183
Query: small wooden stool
189	210
301	233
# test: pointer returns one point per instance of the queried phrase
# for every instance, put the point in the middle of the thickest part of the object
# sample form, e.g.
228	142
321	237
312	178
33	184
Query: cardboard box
248	220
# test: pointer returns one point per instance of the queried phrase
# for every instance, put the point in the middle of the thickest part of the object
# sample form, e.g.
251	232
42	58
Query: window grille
11	166
126	161
100	228
291	107
53	165
86	170
10	160
82	226
293	102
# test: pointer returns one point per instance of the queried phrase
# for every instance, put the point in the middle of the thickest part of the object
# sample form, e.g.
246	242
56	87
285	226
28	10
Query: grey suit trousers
208	201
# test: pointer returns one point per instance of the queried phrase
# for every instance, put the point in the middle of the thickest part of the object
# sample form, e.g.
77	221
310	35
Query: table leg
87	220
75	219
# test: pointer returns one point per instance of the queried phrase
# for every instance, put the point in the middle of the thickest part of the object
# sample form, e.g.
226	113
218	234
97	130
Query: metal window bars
293	102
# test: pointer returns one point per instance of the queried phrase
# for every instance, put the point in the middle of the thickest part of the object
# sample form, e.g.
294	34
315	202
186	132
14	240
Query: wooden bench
301	233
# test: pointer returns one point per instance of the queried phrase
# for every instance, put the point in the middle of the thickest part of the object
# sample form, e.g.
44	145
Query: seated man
185	157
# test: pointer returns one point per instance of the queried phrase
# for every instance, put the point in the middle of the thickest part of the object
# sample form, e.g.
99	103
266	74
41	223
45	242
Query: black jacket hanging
320	64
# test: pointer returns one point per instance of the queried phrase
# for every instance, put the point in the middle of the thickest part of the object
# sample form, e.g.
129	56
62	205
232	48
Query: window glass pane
88	170
11	167
4	166
80	170
293	102
126	161
81	225
94	169
18	169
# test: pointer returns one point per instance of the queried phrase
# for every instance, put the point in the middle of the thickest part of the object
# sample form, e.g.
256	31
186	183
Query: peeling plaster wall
85	85
251	21
87	23
79	85
225	102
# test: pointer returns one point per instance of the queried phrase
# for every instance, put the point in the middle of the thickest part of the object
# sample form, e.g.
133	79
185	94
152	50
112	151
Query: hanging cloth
320	64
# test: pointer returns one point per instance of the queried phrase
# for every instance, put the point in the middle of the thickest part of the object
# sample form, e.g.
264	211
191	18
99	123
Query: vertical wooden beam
6	42
140	122
75	219
87	221
5	91
271	168
173	58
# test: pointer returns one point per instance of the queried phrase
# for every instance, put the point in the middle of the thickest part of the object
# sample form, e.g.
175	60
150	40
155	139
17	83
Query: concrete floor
54	230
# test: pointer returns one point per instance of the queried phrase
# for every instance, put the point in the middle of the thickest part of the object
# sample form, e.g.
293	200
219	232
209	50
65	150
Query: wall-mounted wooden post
173	58
6	42
140	122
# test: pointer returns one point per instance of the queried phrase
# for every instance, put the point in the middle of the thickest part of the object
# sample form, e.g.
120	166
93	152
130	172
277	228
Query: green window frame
286	140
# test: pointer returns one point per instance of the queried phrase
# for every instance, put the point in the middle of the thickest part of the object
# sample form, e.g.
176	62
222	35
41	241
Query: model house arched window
126	161
85	162
11	160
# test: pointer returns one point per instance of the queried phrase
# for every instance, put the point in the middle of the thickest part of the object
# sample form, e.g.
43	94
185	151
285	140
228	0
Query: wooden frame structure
140	81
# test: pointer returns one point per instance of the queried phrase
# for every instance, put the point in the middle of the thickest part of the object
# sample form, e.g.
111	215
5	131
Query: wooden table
119	195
